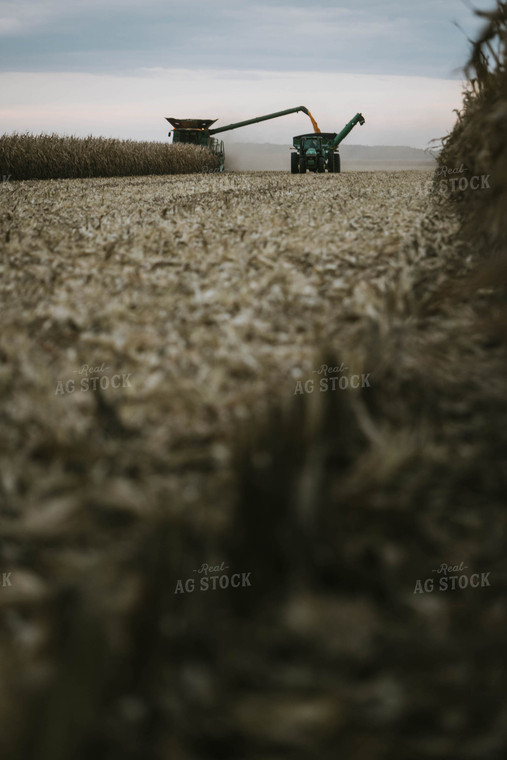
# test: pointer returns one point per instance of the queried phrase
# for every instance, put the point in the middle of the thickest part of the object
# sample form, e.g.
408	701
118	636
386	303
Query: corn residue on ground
162	347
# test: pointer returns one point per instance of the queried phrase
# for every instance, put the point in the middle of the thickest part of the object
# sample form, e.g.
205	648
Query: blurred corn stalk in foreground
26	156
477	142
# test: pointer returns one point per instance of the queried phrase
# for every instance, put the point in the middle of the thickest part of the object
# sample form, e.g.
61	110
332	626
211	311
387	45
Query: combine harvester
315	151
198	132
319	151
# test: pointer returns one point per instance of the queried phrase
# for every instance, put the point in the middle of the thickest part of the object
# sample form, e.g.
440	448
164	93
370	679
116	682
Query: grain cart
198	132
318	152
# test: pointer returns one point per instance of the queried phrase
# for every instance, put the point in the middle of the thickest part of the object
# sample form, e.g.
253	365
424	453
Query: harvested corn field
210	289
164	342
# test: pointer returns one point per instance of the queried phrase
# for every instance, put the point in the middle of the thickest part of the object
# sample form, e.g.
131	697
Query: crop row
50	156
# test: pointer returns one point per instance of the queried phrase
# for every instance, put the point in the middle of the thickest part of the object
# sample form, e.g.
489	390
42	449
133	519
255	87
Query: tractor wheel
302	165
337	163
321	164
330	161
294	163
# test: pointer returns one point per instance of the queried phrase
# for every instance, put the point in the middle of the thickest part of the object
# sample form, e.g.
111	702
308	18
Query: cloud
121	36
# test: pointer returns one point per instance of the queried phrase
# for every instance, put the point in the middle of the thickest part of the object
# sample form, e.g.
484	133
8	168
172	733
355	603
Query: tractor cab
311	145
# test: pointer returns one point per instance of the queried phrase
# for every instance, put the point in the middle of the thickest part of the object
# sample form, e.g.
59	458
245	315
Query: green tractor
317	151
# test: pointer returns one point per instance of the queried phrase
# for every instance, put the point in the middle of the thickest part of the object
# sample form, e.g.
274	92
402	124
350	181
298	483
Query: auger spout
358	118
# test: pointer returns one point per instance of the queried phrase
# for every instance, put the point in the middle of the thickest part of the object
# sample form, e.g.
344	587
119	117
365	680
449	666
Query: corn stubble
27	156
216	294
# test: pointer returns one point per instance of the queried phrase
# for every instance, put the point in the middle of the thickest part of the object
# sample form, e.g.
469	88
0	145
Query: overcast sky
117	67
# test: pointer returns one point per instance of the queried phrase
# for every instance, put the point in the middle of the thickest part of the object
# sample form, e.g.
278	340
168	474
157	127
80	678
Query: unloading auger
198	132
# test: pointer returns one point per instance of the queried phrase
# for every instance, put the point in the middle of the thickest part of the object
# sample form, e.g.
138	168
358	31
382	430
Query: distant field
272	157
352	165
